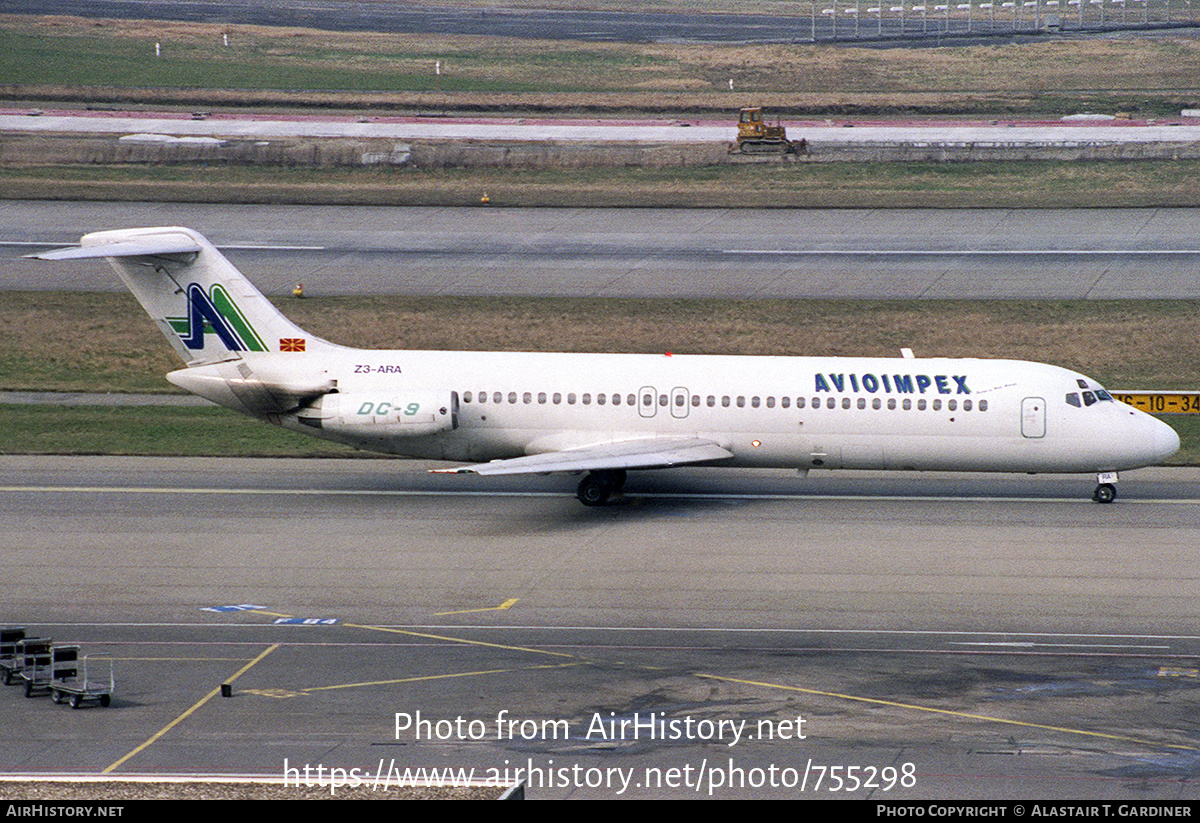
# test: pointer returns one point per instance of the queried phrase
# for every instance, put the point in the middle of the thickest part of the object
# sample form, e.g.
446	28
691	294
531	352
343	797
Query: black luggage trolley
10	663
34	655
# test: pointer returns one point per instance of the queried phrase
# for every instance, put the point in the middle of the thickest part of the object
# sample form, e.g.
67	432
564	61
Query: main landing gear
1106	491
599	486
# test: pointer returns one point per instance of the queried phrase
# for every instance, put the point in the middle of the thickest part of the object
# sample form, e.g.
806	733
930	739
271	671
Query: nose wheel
599	486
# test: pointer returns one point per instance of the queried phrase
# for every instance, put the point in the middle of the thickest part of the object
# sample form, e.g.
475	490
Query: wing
645	453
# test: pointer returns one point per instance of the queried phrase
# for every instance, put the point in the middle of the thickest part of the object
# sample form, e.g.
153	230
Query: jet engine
376	415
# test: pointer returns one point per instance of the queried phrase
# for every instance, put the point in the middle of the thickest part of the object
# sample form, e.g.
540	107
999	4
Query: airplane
607	414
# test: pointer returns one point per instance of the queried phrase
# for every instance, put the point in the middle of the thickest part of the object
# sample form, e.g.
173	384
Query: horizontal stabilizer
205	307
647	453
158	245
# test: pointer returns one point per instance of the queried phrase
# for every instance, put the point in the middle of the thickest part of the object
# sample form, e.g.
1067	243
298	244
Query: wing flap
646	453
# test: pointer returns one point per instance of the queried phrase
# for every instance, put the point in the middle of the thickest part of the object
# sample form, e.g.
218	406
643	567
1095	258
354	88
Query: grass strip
991	184
1125	344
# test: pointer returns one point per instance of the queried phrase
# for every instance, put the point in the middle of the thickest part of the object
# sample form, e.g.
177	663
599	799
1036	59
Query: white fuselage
798	412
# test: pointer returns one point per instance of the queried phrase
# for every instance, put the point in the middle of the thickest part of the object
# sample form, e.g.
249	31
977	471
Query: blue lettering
887	387
923	383
903	383
942	384
854	381
870	383
961	380
839	380
821	384
365	408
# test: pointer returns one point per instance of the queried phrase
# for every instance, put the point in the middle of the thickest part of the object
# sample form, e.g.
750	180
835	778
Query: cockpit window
1088	398
1081	383
1073	400
1103	395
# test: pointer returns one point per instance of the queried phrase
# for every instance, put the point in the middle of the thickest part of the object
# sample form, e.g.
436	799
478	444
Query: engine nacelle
380	415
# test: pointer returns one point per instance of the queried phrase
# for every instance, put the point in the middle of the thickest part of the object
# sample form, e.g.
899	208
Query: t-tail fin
202	304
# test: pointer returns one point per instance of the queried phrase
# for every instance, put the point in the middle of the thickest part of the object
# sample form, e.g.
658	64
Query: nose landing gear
1106	491
598	486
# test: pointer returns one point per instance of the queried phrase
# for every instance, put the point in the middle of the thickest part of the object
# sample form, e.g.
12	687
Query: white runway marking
661	495
962	252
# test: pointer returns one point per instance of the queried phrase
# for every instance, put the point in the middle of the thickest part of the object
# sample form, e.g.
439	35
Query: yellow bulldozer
756	137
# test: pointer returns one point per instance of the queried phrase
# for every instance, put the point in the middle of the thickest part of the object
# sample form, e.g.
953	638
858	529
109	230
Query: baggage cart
91	679
9	662
34	656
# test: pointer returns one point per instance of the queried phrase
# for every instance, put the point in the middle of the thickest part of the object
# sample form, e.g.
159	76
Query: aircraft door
1033	417
680	397
648	401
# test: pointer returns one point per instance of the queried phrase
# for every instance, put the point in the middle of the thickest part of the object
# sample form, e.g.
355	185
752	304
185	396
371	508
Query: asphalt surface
1084	131
949	636
883	253
1001	634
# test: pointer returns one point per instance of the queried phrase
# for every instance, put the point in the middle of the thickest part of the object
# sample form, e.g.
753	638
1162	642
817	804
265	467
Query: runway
1000	633
905	254
819	134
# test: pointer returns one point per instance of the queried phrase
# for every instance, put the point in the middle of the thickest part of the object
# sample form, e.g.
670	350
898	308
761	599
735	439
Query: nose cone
1165	441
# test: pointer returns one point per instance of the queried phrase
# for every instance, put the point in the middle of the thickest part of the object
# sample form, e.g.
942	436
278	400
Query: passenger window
557	398
921	405
862	402
662	400
695	401
983	405
647	400
679	400
571	399
937	405
966	405
710	401
831	403
466	397
527	398
512	397
587	399
907	404
754	401
630	400
483	397
541	397
601	399
497	397
1073	400
770	402
951	404
725	401
845	402
892	404
786	402
878	404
